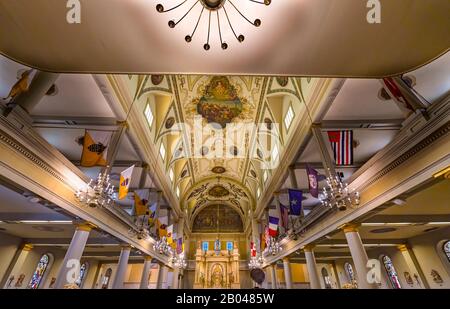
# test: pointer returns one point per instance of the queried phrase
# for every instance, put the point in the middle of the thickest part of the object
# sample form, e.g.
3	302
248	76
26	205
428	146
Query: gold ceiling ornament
213	7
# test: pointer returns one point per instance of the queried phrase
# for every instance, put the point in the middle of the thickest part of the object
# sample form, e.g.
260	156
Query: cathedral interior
205	145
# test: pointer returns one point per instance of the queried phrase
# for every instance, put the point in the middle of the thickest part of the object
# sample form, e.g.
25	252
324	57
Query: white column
273	273
146	272
16	265
359	256
162	278
159	277
66	274
314	280
177	271
121	267
287	273
413	265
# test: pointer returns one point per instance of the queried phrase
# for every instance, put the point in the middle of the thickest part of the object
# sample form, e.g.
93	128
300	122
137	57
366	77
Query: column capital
125	246
309	248
350	227
27	247
123	124
286	259
85	226
276	194
148	258
403	247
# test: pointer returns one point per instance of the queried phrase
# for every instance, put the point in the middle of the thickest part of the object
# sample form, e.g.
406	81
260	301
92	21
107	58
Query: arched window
326	278
350	273
83	270
446	249
105	280
39	272
392	274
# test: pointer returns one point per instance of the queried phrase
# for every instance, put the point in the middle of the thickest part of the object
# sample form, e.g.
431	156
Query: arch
217	218
391	272
224	179
443	255
41	270
106	278
326	278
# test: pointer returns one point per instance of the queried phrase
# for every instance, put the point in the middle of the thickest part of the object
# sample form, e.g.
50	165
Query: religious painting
218	170
157	79
408	278
436	277
217	218
217	276
19	281
218	191
220	102
282	81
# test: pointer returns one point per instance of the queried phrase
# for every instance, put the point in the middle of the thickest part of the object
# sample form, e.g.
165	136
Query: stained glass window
350	272
105	280
230	246
39	272
205	246
392	274
447	249
83	270
326	278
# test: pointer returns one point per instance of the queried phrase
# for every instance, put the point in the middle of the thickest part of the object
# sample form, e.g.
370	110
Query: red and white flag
252	249
342	144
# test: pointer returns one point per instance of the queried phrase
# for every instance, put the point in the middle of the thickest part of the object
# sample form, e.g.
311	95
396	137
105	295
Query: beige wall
8	248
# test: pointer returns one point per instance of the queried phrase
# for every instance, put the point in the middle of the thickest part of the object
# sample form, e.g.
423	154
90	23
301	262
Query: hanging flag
267	235
342	144
162	226
262	236
252	249
170	234
141	202
396	94
152	214
295	201
124	183
313	181
284	212
95	148
273	226
180	245
24	79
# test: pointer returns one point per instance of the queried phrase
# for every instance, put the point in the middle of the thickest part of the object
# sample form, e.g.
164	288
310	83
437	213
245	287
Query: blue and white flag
295	201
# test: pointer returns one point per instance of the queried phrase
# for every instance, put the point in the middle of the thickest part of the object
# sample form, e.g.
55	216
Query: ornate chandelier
98	193
162	246
179	261
274	247
256	262
336	194
218	7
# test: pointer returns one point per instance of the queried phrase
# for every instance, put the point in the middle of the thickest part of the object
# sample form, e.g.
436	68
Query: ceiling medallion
218	170
217	8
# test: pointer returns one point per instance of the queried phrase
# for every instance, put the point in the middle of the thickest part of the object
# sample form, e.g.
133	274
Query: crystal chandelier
179	261
336	194
217	9
256	262
274	247
97	193
162	246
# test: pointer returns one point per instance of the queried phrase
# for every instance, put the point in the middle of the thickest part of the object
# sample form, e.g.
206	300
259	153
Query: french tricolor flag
342	144
273	226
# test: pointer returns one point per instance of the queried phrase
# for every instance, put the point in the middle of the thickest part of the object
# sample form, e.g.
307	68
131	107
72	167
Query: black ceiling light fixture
215	9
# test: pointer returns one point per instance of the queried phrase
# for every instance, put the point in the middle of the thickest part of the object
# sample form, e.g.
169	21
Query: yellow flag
170	234
124	184
95	148
141	202
162	226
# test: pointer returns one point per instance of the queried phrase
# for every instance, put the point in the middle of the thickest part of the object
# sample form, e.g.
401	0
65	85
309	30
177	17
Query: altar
217	269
